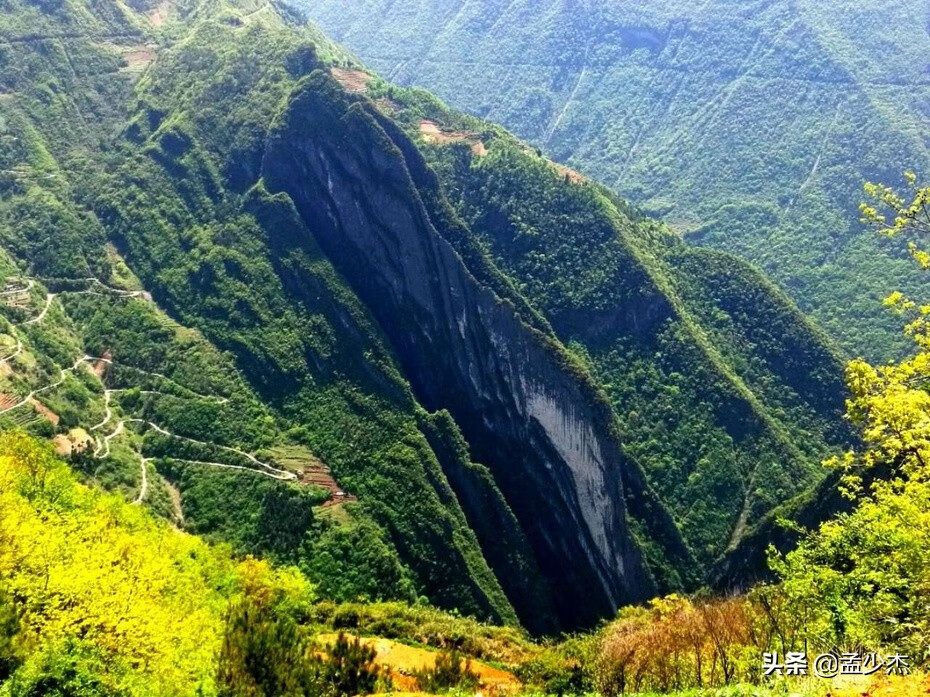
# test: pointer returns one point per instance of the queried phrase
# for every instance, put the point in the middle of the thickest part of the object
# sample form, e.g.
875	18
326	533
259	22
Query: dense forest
311	385
748	126
608	397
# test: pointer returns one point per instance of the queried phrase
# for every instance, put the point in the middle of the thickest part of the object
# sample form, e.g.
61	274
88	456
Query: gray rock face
540	428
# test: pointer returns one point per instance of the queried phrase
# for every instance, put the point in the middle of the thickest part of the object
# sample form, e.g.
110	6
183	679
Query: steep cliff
543	433
724	392
522	401
749	125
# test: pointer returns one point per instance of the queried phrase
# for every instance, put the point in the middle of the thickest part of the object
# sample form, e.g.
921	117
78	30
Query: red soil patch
7	400
572	174
318	474
100	367
352	80
433	133
401	661
45	411
137	57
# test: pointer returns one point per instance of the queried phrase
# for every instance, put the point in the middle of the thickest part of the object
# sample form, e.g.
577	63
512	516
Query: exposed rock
543	432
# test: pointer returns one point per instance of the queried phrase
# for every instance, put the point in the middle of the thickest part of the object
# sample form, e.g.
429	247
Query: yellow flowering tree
866	573
105	598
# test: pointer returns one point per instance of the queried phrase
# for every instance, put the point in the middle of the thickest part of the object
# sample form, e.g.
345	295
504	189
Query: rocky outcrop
532	418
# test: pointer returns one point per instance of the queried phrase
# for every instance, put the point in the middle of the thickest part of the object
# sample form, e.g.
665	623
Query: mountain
331	322
748	126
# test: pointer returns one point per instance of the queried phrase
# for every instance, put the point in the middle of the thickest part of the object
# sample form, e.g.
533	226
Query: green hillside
748	126
330	322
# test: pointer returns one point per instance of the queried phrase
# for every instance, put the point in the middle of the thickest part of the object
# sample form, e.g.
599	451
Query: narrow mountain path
49	298
16	291
106	441
38	318
19	350
215	398
571	98
102	448
61	379
109	411
740	527
282	477
278	473
107	395
263	468
144	484
820	153
251	14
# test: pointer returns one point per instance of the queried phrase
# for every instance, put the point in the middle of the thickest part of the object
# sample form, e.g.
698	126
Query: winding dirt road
102	449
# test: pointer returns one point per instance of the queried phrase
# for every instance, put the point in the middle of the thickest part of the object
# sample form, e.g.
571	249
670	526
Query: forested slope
329	321
748	126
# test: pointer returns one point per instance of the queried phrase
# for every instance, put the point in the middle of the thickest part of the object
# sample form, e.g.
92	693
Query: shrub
449	671
675	644
265	654
350	668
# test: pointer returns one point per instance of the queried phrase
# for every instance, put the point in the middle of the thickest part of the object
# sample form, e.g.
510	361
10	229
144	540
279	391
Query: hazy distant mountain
334	323
749	126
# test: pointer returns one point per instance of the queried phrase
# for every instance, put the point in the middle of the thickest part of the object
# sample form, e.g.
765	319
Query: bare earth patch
352	80
158	15
100	367
45	411
81	439
77	440
570	173
62	445
434	134
176	503
401	661
137	58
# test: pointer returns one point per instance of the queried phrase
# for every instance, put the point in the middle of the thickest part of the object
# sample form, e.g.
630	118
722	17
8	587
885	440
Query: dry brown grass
675	644
434	134
352	80
45	411
402	661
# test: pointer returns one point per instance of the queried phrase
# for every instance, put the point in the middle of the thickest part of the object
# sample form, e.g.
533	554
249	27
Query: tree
350	669
866	571
449	671
265	654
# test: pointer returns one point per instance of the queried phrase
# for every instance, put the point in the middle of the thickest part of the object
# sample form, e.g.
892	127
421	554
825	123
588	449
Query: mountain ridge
429	366
750	127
